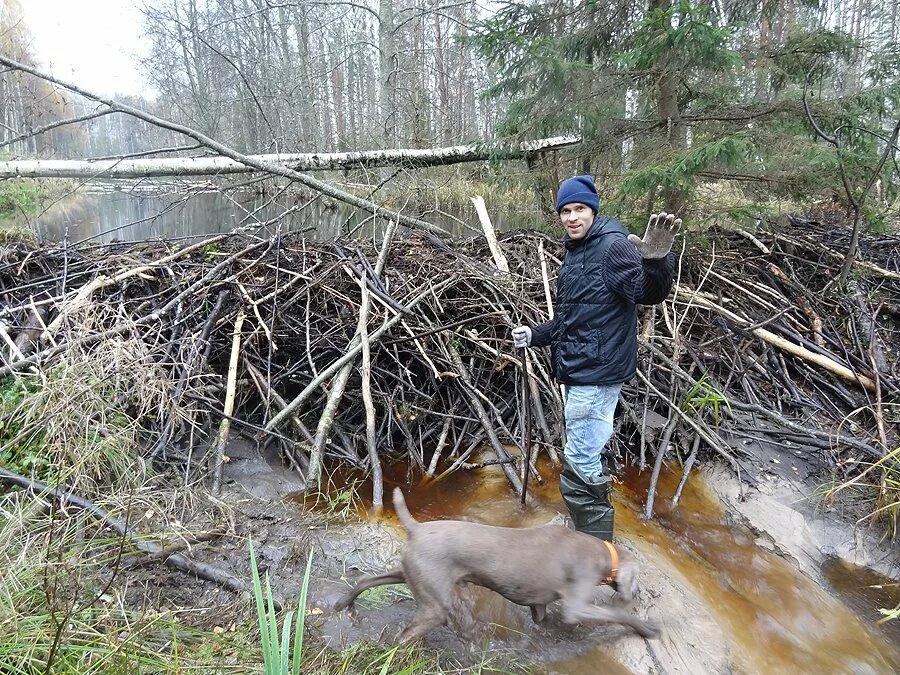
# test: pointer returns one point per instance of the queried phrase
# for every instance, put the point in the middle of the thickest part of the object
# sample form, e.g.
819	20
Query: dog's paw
649	630
626	586
538	613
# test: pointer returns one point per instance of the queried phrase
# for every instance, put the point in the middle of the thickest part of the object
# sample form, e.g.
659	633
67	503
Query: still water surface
135	213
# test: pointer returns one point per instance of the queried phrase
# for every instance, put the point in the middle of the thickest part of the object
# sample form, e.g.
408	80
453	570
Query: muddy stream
728	599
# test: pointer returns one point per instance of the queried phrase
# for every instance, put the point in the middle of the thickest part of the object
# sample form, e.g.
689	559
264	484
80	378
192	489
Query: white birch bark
216	165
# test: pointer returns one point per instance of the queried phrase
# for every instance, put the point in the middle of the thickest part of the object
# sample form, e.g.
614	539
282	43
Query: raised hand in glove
521	336
658	238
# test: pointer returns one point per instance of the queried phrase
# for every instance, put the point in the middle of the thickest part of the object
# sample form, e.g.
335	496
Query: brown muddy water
774	618
865	591
780	619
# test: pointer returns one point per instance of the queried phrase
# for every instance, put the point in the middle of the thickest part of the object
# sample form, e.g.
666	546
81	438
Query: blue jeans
589	425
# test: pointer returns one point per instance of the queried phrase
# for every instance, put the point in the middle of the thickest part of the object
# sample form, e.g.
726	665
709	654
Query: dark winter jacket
593	335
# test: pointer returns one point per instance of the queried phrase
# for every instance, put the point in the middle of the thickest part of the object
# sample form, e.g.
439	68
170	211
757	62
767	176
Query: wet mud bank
739	586
760	583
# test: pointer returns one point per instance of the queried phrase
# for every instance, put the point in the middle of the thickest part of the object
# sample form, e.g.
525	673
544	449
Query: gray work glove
658	238
521	336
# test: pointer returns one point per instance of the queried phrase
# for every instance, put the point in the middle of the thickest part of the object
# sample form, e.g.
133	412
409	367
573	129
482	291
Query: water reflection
134	213
866	591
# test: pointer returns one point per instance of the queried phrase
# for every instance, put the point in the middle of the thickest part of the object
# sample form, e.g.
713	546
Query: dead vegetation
755	342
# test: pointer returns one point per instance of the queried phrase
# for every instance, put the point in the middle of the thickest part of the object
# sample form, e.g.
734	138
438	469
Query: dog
530	566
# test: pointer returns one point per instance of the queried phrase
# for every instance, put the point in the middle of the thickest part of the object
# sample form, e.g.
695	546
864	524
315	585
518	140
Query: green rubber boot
588	502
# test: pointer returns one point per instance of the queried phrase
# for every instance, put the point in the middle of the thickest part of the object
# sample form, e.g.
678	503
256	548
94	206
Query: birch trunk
202	166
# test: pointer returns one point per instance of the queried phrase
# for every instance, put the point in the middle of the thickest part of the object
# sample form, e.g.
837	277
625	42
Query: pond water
129	212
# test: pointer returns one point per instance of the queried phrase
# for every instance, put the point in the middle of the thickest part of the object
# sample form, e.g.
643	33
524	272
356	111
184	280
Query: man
593	335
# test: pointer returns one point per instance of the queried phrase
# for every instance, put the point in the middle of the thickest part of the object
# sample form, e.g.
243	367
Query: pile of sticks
363	353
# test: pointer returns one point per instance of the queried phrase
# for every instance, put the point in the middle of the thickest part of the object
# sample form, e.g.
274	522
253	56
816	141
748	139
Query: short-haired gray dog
529	566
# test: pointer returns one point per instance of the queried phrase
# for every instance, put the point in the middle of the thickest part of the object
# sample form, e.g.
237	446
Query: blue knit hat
581	190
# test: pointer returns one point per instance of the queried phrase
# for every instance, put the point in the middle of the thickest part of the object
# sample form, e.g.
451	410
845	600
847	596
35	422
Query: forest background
704	107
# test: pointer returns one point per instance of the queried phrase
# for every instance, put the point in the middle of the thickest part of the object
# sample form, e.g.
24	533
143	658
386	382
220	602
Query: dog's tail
402	512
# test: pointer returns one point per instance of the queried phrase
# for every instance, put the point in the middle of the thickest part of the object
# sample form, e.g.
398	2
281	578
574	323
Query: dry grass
63	604
78	425
876	485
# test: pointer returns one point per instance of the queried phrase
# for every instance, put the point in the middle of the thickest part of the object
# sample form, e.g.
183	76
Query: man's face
577	219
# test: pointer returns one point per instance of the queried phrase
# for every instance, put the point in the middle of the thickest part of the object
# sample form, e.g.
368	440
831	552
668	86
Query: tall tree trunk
761	93
308	105
337	86
668	111
352	95
895	24
387	76
443	80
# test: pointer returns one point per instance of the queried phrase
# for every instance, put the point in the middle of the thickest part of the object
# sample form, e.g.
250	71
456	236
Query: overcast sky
94	43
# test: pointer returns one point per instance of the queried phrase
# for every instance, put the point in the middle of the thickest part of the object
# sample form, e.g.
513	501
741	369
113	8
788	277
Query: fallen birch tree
307	161
225	151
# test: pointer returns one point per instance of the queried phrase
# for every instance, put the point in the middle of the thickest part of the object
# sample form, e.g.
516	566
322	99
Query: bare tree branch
268	167
56	124
815	124
856	203
146	153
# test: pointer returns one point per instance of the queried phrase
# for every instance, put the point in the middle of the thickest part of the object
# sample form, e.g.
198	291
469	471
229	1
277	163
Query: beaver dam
139	381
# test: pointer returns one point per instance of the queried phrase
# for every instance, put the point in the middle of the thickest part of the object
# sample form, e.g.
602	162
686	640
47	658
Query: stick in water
526	425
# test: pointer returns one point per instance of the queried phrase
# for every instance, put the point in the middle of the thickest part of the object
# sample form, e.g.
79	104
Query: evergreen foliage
669	95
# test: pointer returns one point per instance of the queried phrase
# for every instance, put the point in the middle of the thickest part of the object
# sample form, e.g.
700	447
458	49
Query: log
326	419
442	441
491	235
661	451
176	560
784	345
688	465
170	547
368	403
15	353
306	161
